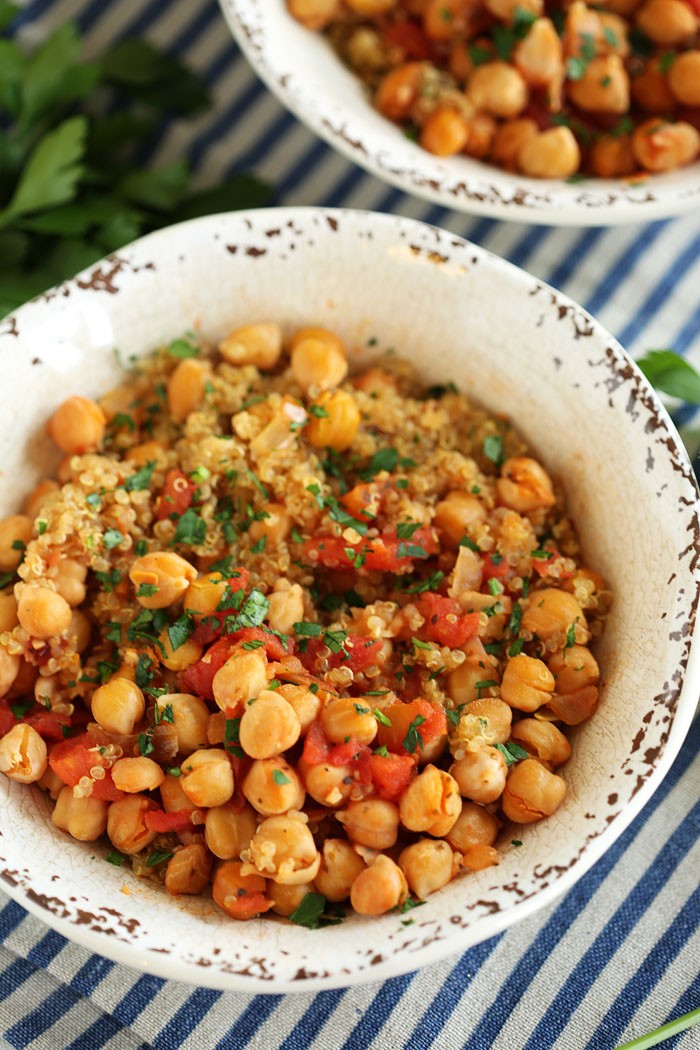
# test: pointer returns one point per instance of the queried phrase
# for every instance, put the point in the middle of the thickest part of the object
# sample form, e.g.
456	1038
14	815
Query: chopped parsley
143	675
411	550
512	753
108	580
384	459
112	538
231	739
318	411
157	857
191	529
115	858
492	448
180	631
413	738
259	546
315	911
405	529
280	778
146	590
381	717
141	479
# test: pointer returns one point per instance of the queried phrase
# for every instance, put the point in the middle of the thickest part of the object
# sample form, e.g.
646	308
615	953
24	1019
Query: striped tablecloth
620	955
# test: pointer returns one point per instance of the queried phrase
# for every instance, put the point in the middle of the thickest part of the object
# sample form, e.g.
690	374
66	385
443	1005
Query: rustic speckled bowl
308	78
519	347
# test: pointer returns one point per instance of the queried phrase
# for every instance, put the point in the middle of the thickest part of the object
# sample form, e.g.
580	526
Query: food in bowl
301	637
551	92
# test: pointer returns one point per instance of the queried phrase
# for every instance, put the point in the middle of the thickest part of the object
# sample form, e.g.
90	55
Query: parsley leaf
672	374
493	448
280	778
383	459
413	739
315	911
512	753
191	529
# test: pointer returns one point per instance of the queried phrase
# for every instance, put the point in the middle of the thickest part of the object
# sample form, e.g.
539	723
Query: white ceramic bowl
308	78
519	347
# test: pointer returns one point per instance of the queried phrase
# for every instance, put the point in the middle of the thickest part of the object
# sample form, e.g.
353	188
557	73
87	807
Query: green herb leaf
413	739
405	529
280	778
315	911
512	753
141	479
383	459
381	717
145	744
182	348
493	448
146	590
112	538
157	857
306	629
180	631
191	529
52	172
672	374
115	858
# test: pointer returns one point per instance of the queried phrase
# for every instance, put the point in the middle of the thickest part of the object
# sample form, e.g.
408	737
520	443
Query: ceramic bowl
517	346
309	79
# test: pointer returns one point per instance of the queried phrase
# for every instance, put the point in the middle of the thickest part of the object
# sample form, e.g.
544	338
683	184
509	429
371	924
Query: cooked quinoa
294	635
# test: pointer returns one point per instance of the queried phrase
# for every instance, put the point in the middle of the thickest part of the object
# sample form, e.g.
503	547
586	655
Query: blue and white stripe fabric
620	954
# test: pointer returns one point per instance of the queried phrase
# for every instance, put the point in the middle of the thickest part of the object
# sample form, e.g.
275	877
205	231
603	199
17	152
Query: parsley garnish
180	631
141	479
411	550
379	715
112	538
108	580
157	857
115	858
318	411
280	778
492	448
315	911
405	529
191	529
146	590
512	753
384	459
413	738
231	740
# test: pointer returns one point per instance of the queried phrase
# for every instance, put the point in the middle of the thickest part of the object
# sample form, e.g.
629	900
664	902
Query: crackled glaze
517	346
299	67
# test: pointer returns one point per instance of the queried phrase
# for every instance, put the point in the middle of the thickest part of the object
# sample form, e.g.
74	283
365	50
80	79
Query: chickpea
480	775
126	824
15	533
543	741
476	858
651	90
574	708
147	452
286	606
482	131
371	822
77	425
318	362
444	132
524	485
461	683
9	669
186	388
666	22
399	90
428	866
70	581
186	653
173	797
603	88
307	705
379	888
340	866
38	496
272	787
481	722
499	89
243	676
532	792
459	515
207	777
505	9
283	849
659	146
511	137
348	717
338	427
269	726
314	14
188	869
204	594
228	830
286	899
53	785
474	826
23	755
253	344
118	705
553	612
240	896
539	56
551	154
137	774
431	802
83	818
684	78
190	717
527	683
8	611
43	613
467	574
612	157
275	527
371	8
168	573
327	785
445	19
375	381
573	668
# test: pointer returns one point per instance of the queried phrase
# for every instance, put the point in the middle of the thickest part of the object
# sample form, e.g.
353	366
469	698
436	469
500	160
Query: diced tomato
411	38
385	553
391	774
176	496
7	719
162	822
363	501
316	747
73	759
198	677
445	623
358	653
343	754
275	648
48	724
402	716
543	565
497	569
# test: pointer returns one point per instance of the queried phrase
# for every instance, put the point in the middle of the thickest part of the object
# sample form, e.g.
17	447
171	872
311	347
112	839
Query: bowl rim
170	967
460	183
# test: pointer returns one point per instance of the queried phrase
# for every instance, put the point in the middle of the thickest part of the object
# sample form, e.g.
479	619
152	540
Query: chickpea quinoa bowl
305	624
570	114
